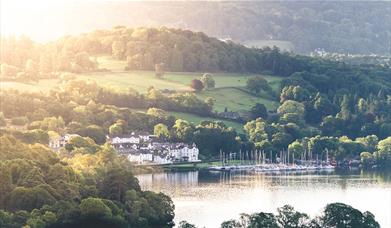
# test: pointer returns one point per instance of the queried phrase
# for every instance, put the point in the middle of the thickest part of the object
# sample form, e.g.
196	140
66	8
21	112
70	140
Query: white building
126	139
184	153
144	148
133	138
58	142
141	158
148	158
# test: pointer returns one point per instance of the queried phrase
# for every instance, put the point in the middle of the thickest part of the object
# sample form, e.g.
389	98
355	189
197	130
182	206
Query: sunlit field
235	99
229	92
44	85
136	80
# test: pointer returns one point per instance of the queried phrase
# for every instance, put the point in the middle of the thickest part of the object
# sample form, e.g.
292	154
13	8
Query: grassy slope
226	93
137	80
234	99
42	86
221	79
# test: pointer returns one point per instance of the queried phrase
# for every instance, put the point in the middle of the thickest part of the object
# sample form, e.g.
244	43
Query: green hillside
235	99
229	92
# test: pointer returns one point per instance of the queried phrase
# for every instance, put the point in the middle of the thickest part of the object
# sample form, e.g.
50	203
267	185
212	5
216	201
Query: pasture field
136	80
180	81
183	78
225	94
44	85
235	99
222	79
229	92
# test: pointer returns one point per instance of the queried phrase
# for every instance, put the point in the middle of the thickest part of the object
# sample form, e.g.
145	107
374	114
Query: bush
19	121
197	85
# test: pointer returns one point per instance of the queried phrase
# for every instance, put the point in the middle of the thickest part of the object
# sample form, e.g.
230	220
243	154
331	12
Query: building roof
133	134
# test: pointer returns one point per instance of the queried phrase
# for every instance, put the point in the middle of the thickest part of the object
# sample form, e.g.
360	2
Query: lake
206	198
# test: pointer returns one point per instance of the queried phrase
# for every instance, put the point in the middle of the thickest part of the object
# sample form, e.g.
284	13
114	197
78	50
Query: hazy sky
45	19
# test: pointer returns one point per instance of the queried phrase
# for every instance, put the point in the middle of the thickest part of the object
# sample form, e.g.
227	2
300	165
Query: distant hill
142	48
355	27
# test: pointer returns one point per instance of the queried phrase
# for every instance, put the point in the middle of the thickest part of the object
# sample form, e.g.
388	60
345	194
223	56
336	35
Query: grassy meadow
44	85
235	99
229	92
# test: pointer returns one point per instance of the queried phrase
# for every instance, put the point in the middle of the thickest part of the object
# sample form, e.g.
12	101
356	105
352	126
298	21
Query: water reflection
208	198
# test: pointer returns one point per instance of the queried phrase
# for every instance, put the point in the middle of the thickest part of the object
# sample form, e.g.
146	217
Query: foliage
208	81
342	215
197	85
383	153
334	215
161	131
259	111
256	84
342	27
40	189
184	224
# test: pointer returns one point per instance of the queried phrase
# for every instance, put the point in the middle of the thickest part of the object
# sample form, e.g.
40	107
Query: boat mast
221	158
327	156
293	158
288	156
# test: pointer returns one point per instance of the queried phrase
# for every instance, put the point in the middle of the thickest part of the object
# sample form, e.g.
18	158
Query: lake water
207	198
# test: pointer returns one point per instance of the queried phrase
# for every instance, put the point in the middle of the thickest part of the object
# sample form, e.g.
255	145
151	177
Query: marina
273	167
259	162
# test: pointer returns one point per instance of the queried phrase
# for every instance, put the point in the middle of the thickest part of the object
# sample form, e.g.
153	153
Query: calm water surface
208	198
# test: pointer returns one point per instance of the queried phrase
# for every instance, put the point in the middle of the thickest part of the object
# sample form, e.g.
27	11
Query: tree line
333	215
74	188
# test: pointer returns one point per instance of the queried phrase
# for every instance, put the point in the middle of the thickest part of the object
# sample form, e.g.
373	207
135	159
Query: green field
137	80
42	86
222	79
229	92
225	94
235	99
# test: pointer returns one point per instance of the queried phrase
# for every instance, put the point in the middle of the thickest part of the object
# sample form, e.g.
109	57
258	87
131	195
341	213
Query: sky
44	20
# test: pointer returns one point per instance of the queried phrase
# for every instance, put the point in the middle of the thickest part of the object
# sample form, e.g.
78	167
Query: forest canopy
336	26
